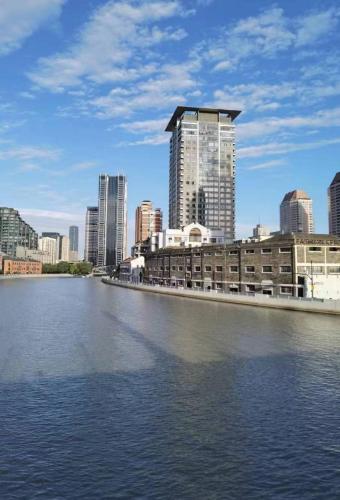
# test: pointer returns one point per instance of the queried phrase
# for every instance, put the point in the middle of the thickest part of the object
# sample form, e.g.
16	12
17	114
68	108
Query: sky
88	86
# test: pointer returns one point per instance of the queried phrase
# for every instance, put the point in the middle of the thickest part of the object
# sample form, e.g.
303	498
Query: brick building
284	265
21	266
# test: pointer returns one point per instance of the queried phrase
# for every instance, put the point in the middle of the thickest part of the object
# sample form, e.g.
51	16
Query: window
188	268
267	269
218	286
233	288
285	250
180	268
287	290
250	288
219	269
285	269
314	249
173	268
249	250
197	269
207	254
218	254
208	268
334	249
266	250
334	270
167	268
197	254
198	283
267	291
233	269
250	269
233	252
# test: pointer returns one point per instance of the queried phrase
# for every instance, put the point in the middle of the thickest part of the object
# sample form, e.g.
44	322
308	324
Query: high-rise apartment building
64	254
296	213
112	220
148	220
14	232
202	168
334	206
57	237
91	235
49	247
74	243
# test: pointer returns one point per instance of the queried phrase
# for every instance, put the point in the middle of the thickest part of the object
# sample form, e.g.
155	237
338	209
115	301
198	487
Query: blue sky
87	86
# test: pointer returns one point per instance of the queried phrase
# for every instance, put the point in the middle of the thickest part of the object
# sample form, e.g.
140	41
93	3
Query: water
112	393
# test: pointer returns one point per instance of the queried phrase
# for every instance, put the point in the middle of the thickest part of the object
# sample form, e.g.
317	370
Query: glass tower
202	168
112	220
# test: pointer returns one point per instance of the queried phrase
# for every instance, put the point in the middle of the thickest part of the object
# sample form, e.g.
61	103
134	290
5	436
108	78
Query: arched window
195	235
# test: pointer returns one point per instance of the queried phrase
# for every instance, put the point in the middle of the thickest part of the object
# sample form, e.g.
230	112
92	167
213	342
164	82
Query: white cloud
267	165
108	43
84	165
283	148
316	25
20	18
145	126
51	214
26	153
154	140
29	167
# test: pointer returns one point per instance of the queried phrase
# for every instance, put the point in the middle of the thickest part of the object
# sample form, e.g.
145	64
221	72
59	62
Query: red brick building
21	266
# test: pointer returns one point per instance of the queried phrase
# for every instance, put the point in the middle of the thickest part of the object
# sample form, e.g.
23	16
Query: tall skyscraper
334	205
112	220
15	232
148	220
64	251
91	235
74	243
296	213
202	168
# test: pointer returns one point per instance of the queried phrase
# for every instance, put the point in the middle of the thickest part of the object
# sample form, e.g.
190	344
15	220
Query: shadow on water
113	395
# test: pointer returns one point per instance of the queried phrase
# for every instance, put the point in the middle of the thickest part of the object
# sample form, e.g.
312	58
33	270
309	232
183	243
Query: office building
91	235
148	220
112	220
57	237
74	243
296	213
64	254
202	169
14	231
334	206
193	235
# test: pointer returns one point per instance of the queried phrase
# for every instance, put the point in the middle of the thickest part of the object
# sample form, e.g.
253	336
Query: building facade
91	235
296	213
64	254
73	235
334	206
148	220
50	249
286	265
56	249
202	169
112	220
193	235
20	266
14	232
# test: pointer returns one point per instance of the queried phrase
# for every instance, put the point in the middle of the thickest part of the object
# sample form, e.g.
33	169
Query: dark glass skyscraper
91	235
112	220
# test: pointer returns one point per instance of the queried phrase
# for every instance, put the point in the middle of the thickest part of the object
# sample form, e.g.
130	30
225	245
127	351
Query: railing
221	292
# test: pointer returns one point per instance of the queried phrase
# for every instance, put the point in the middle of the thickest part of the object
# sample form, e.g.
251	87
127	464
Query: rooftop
336	179
297	194
181	109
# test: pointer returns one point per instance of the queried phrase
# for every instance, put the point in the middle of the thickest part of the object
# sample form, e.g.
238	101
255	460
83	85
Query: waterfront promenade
321	306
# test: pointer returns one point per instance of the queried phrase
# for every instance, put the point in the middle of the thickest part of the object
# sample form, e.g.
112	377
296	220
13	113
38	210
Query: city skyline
60	129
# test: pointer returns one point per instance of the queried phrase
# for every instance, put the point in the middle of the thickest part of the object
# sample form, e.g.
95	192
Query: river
112	393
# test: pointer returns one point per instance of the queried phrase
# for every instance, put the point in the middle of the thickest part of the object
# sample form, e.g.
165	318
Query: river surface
112	393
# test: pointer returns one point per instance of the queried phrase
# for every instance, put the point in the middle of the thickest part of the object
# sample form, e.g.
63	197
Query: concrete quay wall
293	304
27	276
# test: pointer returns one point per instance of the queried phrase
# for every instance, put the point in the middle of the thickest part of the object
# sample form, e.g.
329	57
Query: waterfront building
284	265
192	235
132	269
49	246
148	220
112	220
24	253
334	205
64	254
296	213
202	168
73	243
11	265
14	232
91	235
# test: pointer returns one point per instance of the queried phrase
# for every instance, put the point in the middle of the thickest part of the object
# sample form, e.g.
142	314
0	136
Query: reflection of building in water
296	213
202	169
